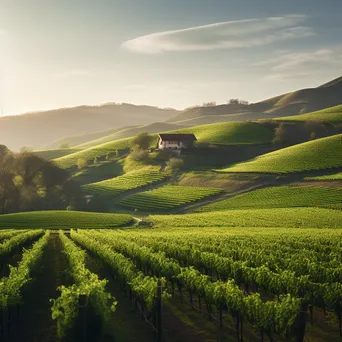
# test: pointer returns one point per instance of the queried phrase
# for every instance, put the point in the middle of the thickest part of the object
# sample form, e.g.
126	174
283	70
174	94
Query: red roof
177	137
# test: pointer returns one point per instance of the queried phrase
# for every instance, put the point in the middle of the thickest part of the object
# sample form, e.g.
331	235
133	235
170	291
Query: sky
166	53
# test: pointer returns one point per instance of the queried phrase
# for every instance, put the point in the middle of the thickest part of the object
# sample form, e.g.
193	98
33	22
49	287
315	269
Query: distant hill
81	139
294	103
38	129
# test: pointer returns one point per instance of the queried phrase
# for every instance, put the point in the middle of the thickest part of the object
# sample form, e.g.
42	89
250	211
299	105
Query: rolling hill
40	128
320	154
293	103
332	115
233	133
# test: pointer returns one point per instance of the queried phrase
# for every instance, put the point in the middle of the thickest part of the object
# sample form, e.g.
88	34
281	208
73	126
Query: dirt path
34	323
126	324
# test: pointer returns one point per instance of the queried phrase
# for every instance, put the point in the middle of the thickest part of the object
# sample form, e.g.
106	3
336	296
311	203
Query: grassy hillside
221	133
53	154
281	197
56	219
130	132
230	133
317	154
331	115
282	217
38	129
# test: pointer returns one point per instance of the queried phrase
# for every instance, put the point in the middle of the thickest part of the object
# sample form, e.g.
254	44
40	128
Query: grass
128	181
332	115
281	217
333	177
167	197
231	133
281	197
61	219
317	154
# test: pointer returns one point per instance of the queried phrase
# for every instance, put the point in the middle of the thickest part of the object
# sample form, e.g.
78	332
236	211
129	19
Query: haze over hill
293	103
38	129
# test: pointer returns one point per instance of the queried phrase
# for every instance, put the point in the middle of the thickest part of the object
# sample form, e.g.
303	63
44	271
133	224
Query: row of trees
28	183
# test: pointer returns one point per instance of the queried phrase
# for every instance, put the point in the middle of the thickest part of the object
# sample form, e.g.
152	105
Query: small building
175	142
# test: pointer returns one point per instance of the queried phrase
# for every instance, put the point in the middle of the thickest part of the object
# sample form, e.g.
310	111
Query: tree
139	155
64	145
3	152
209	104
175	164
281	135
141	140
81	163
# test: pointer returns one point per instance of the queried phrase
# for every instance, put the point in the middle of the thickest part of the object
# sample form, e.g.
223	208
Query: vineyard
248	284
167	197
281	197
60	219
302	157
129	181
279	217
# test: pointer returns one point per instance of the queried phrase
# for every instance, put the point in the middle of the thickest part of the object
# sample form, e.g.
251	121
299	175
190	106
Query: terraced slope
325	153
61	219
281	217
281	197
167	197
128	181
332	115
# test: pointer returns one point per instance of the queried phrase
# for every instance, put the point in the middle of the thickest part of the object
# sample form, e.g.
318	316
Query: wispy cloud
223	35
291	60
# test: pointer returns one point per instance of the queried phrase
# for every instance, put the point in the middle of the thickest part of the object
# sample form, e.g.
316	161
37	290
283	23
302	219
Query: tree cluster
291	134
28	182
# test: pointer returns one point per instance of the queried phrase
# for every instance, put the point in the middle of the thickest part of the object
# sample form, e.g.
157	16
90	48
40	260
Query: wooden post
159	311
82	304
302	321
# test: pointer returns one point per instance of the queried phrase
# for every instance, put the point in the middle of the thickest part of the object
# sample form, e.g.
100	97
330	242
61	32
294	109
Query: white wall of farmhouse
174	145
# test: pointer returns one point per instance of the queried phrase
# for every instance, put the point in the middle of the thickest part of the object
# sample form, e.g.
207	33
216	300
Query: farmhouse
175	142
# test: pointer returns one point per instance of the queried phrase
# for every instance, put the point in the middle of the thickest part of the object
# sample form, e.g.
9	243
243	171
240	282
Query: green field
281	217
281	197
167	197
231	133
61	219
332	115
128	181
317	154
